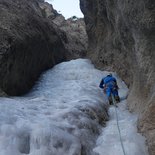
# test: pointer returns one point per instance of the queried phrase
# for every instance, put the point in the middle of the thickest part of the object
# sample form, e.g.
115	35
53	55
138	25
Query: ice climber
109	85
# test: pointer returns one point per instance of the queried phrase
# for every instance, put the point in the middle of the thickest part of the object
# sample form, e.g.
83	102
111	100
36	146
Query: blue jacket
108	81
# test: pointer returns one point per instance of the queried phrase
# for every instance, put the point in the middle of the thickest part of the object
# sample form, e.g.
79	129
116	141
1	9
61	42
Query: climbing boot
110	100
117	98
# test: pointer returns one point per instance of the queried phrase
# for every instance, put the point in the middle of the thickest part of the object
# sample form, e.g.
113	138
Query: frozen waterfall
65	114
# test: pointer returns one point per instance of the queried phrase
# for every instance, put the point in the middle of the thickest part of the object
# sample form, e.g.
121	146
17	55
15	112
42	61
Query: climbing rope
120	136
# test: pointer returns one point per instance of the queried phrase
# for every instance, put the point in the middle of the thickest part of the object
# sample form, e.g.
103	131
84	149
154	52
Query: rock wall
76	41
29	44
73	32
35	37
121	36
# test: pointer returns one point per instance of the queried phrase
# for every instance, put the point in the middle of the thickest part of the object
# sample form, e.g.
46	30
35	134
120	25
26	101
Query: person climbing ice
110	87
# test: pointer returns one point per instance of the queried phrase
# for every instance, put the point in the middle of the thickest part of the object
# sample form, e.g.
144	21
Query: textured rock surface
29	44
121	36
73	32
76	38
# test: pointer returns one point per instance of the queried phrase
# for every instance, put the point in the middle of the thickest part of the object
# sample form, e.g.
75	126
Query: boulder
29	44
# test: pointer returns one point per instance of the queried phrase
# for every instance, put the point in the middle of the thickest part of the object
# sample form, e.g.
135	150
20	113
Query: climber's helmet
109	74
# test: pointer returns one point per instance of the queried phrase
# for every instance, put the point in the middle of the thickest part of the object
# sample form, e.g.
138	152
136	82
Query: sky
67	8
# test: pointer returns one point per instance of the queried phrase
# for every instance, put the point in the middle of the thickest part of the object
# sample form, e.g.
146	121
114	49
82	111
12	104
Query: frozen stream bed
64	114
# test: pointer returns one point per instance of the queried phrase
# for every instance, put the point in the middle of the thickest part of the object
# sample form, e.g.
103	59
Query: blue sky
67	8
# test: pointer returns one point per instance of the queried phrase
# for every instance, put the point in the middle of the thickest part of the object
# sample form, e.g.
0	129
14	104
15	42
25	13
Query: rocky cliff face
29	44
76	38
32	39
73	32
121	36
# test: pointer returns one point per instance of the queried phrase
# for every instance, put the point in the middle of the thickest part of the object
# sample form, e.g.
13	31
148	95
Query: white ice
109	143
61	116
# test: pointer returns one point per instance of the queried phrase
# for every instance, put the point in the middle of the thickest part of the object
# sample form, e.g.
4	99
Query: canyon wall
121	37
34	37
29	44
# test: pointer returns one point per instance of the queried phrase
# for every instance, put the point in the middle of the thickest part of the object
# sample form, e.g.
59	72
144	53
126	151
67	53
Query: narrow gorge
40	118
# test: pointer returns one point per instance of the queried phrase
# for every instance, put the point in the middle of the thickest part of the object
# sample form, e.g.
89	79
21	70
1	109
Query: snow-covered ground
63	116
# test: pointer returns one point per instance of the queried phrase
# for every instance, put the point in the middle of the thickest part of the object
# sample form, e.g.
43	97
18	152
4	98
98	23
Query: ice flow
64	114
